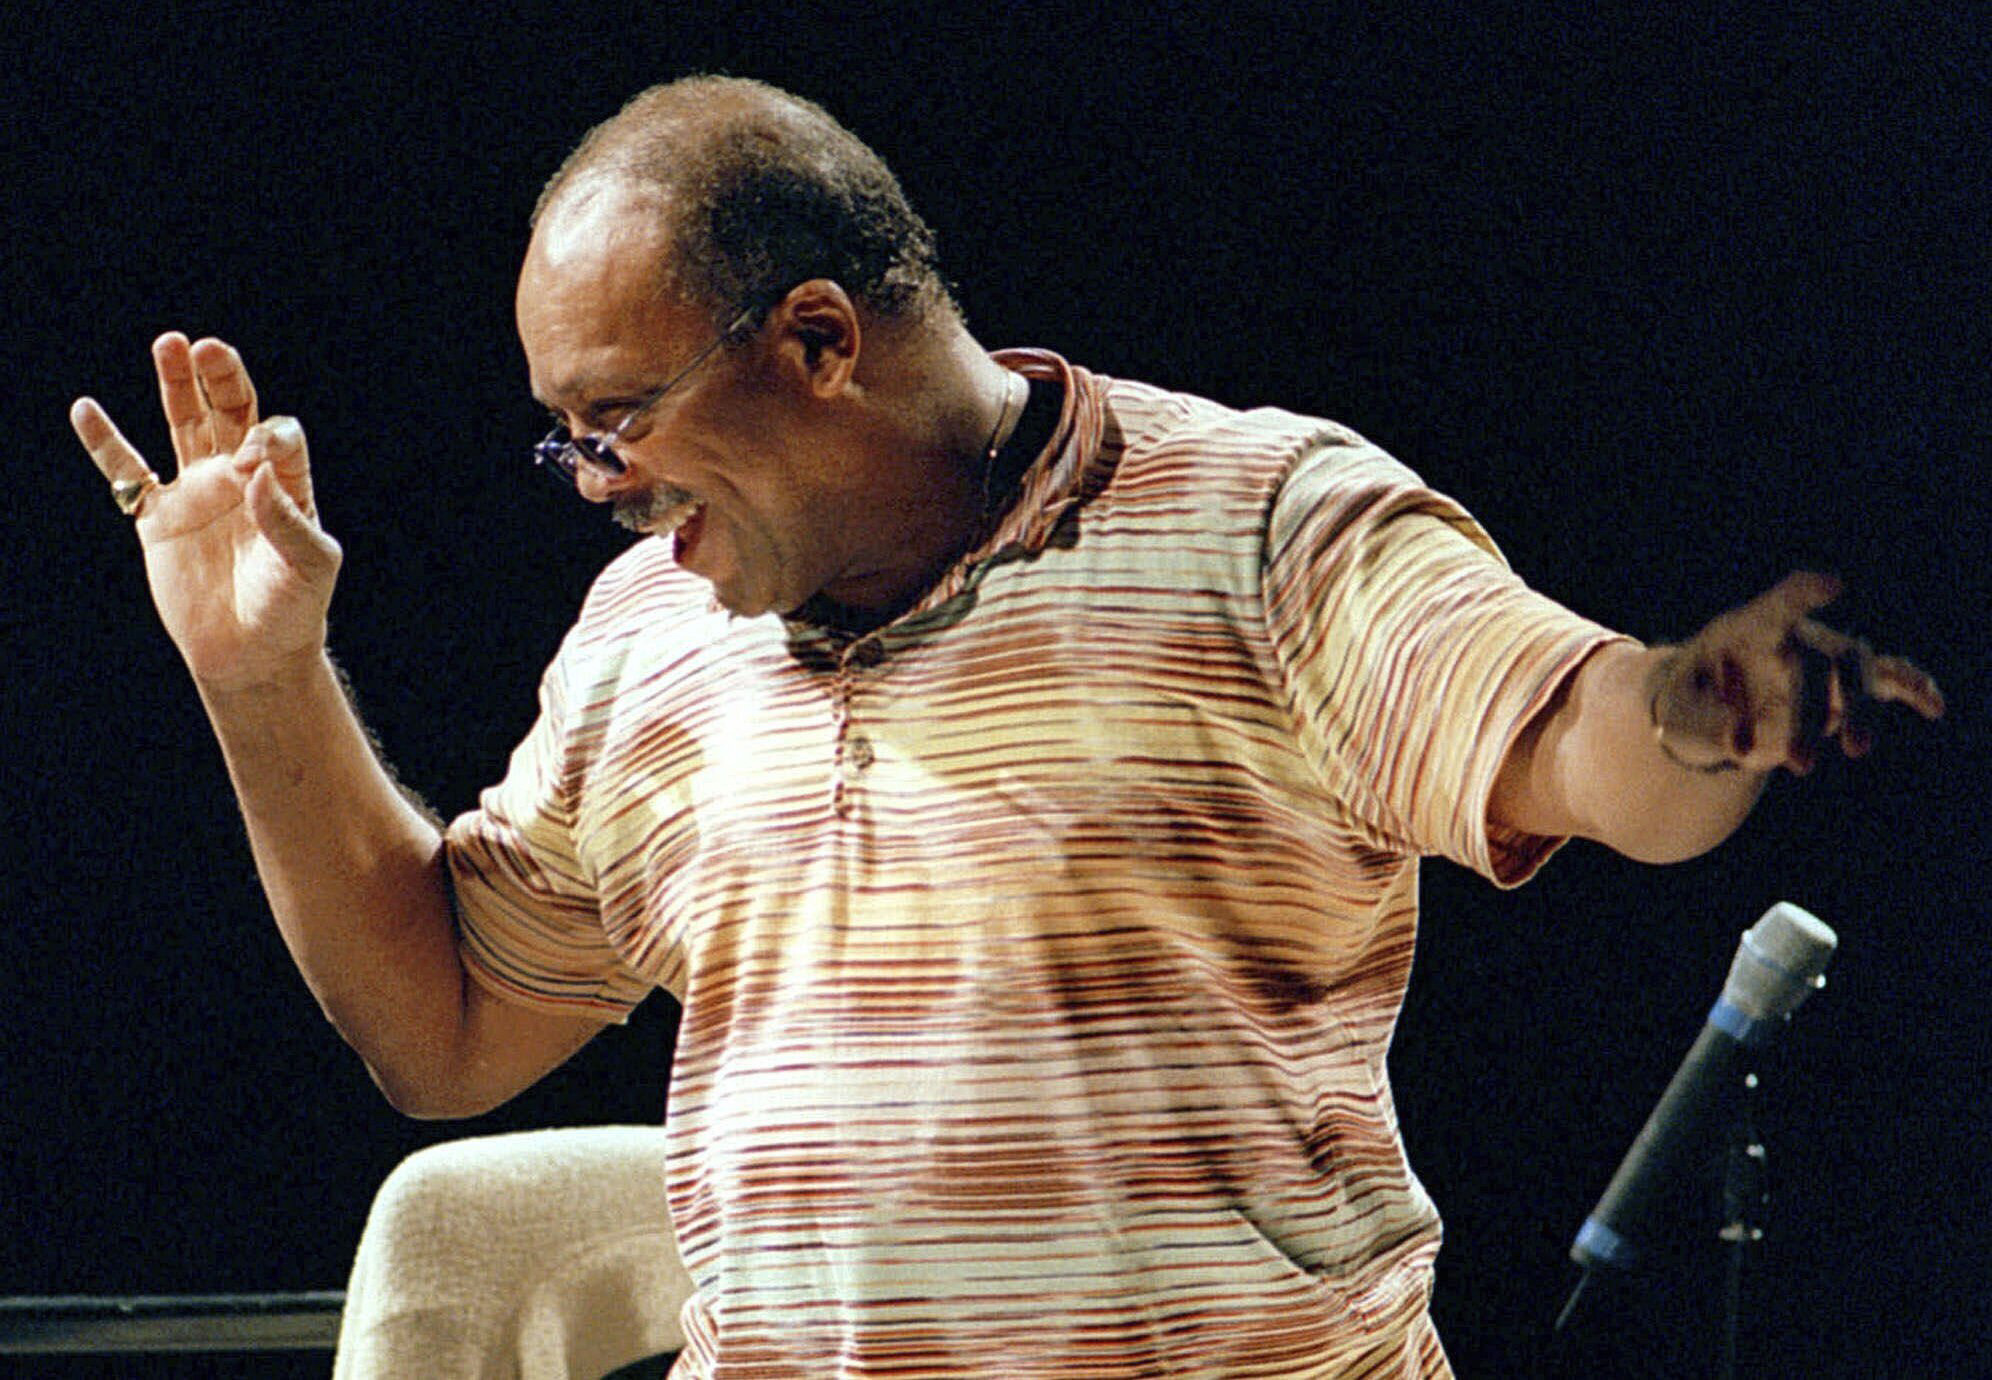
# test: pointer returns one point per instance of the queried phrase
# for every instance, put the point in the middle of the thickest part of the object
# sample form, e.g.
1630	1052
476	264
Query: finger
1796	595
279	444
224	383
1810	632
1815	704
1845	671
1843	691
116	459
1865	674
1779	701
1902	682
180	398
1855	741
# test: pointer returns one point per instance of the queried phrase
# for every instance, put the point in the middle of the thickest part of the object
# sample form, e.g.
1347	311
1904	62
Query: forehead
593	309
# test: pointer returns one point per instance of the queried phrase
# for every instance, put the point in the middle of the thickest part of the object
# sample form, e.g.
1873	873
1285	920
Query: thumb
298	539
1797	595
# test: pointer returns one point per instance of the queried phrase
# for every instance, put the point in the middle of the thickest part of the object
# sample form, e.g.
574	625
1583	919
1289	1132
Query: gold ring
129	493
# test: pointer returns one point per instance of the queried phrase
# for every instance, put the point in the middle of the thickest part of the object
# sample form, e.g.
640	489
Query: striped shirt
1040	951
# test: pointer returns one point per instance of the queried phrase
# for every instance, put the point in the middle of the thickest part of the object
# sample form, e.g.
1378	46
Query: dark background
1676	299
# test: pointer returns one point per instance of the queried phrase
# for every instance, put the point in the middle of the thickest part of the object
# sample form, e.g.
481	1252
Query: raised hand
1767	686
240	570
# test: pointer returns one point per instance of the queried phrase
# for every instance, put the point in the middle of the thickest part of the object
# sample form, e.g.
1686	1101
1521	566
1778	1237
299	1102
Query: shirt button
869	652
860	752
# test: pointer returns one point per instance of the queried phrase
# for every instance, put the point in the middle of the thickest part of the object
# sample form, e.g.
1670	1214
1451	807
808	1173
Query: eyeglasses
562	453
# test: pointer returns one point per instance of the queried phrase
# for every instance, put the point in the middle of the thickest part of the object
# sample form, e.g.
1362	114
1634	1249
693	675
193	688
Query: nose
598	483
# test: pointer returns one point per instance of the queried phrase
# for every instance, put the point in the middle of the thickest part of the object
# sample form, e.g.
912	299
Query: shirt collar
1067	472
1071	469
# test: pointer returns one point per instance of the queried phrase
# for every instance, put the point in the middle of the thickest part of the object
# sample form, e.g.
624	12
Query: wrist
277	680
1662	677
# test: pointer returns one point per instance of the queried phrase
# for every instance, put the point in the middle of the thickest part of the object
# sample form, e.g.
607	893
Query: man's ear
816	336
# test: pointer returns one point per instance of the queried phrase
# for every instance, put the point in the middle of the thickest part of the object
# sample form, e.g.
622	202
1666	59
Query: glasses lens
554	456
562	452
596	452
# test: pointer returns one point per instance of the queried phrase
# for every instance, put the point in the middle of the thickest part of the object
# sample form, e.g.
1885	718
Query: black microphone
1780	962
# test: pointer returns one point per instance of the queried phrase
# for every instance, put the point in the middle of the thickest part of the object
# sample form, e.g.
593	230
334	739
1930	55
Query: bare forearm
353	871
1592	766
242	574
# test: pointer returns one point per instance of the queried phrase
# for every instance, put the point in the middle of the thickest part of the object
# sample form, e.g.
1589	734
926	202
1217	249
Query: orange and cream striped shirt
1039	952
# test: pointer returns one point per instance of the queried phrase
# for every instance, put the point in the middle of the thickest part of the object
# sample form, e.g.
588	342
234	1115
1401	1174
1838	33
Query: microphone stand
1744	1196
1781	960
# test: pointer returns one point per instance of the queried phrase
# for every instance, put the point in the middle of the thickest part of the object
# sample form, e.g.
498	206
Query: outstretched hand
240	570
1767	686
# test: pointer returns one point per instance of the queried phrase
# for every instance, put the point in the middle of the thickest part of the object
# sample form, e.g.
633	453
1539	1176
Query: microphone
1781	961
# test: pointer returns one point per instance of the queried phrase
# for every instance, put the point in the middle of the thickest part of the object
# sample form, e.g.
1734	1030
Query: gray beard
650	512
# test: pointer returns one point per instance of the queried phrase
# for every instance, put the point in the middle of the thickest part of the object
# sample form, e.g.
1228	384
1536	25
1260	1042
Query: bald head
756	190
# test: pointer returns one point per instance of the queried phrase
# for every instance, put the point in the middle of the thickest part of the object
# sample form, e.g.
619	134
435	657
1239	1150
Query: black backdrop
1674	298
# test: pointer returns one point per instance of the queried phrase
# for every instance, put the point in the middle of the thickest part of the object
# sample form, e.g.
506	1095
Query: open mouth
686	521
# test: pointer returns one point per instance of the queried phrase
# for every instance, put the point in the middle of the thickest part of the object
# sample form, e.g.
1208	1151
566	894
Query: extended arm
1660	752
242	575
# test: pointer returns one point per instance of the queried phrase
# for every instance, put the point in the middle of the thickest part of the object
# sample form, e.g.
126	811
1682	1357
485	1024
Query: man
1018	775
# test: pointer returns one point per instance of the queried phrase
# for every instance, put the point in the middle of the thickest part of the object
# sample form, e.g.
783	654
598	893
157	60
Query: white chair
538	1255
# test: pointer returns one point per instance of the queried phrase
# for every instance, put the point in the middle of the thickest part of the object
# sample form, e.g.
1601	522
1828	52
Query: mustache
660	510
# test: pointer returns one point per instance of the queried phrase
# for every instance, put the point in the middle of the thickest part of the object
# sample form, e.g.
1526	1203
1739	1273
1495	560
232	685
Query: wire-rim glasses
562	453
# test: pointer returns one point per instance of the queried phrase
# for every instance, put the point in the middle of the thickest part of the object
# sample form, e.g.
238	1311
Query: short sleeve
1413	657
529	922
